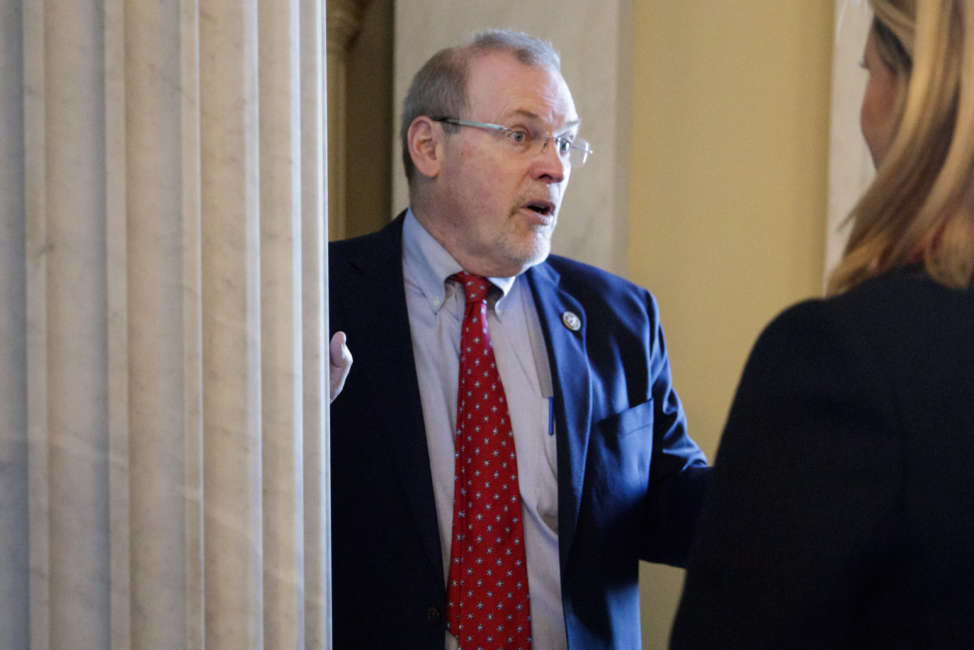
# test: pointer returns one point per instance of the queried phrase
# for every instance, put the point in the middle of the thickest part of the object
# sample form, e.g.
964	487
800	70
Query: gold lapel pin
571	321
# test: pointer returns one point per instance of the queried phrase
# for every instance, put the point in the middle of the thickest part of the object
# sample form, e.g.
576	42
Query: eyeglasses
526	142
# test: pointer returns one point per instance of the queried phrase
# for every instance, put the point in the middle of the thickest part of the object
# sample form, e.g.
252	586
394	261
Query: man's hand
340	362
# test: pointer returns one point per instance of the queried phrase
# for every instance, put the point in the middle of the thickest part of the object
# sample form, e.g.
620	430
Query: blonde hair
920	206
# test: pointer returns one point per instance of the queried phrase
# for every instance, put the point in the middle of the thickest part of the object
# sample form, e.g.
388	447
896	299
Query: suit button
433	615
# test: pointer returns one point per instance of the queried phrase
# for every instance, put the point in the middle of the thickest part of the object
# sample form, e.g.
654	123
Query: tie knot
474	286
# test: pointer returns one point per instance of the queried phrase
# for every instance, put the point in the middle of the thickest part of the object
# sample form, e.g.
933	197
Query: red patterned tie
488	586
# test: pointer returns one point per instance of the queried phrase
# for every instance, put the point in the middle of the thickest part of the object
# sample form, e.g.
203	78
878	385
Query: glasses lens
579	152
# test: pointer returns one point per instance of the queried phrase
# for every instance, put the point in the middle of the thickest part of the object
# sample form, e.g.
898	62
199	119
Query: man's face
496	208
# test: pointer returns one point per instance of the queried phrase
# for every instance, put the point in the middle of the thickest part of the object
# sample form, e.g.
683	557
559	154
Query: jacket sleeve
679	473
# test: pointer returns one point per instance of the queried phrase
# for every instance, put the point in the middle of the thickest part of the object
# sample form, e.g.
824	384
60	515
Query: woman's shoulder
900	330
887	306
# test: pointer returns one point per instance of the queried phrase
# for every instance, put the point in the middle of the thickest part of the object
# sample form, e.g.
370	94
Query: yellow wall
728	193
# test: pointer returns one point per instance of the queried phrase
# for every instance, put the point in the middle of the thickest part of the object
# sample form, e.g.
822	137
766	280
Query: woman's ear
425	138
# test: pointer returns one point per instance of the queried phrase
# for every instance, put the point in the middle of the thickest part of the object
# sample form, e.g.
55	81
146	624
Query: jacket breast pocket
620	453
632	421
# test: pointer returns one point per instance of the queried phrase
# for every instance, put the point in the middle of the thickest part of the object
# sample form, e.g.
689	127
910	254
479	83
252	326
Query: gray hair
439	89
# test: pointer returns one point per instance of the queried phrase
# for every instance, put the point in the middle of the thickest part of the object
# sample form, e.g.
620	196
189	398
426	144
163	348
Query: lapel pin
571	321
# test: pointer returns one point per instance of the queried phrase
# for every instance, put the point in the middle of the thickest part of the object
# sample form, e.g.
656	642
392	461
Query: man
604	473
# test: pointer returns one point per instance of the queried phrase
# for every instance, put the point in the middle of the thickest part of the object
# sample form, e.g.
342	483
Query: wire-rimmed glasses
525	141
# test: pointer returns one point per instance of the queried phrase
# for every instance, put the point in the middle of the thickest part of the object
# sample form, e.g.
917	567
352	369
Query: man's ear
425	140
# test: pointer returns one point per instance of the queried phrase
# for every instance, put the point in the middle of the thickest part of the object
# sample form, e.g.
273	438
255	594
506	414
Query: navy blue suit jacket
841	512
630	480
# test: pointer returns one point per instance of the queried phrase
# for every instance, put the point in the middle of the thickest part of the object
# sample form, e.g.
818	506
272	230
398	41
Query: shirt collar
428	265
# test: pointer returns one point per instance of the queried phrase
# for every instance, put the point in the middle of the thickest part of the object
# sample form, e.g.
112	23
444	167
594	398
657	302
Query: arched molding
344	24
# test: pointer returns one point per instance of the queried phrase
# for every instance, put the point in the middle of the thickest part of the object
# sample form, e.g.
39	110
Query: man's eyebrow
534	116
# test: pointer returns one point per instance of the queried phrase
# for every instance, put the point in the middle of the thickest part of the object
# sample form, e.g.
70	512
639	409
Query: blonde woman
841	513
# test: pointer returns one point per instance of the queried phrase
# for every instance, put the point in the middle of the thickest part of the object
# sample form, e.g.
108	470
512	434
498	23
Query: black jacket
842	508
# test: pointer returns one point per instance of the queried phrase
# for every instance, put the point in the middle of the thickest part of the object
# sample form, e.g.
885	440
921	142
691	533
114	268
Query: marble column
14	539
850	167
163	430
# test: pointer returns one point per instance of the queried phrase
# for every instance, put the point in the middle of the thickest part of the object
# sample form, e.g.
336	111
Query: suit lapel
573	399
394	383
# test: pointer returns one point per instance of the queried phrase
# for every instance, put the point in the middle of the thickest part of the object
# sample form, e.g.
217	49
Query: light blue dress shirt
436	308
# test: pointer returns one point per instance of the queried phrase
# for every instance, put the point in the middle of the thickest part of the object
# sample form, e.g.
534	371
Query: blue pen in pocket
551	416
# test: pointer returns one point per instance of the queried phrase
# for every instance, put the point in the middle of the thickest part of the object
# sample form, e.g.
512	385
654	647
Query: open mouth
544	208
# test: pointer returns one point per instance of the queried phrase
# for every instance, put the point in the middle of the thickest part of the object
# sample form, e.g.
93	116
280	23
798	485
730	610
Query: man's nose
549	165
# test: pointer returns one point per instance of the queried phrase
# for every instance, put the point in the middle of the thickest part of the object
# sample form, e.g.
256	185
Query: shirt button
433	615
